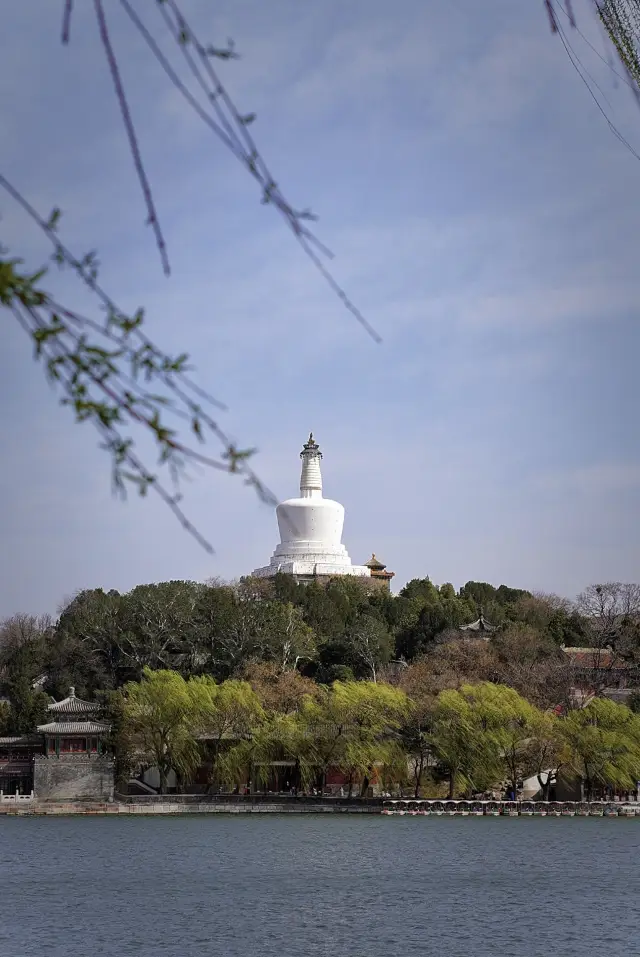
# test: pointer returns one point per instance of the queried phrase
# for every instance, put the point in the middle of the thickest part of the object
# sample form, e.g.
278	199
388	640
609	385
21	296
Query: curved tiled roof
480	624
375	562
74	727
73	705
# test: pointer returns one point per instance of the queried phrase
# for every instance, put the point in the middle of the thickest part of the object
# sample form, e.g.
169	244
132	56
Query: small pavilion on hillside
480	628
379	572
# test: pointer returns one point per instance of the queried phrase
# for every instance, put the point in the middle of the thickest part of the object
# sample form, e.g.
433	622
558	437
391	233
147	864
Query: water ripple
318	886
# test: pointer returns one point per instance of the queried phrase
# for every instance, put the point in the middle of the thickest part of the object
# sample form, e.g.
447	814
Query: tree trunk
452	784
365	785
350	791
545	785
418	776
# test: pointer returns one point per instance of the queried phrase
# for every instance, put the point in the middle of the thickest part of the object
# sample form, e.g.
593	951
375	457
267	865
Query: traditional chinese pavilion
75	728
379	573
66	759
73	764
480	628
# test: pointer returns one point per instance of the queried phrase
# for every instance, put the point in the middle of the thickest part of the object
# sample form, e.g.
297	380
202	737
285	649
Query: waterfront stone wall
612	809
250	800
602	809
170	807
72	777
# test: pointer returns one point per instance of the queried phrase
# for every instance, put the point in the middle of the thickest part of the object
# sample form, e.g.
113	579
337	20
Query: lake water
267	886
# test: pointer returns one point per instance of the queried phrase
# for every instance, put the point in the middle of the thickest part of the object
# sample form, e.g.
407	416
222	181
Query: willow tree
603	740
159	724
225	716
526	738
280	737
486	734
373	715
464	740
354	726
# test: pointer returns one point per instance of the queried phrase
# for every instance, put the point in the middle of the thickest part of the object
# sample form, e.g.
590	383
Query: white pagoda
311	530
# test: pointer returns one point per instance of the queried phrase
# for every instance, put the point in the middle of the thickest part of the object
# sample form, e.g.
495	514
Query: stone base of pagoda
311	569
311	559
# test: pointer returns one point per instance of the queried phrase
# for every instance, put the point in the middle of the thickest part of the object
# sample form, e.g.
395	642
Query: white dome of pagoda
311	529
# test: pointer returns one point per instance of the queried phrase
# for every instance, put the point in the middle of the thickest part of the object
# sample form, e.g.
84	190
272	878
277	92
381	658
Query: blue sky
483	218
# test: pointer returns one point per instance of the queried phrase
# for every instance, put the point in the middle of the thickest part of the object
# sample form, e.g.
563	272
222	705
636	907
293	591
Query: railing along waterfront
424	807
410	807
278	803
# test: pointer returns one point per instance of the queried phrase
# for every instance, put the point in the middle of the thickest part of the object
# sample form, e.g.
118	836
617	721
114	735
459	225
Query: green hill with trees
231	675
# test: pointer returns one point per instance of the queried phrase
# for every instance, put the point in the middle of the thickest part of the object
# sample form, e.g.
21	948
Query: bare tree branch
131	135
232	129
66	20
94	382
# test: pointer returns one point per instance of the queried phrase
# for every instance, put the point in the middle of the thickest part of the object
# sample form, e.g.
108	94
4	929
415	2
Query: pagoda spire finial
311	447
311	478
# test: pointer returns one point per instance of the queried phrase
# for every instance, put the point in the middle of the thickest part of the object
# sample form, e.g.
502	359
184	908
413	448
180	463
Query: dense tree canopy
342	631
604	744
227	676
474	739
